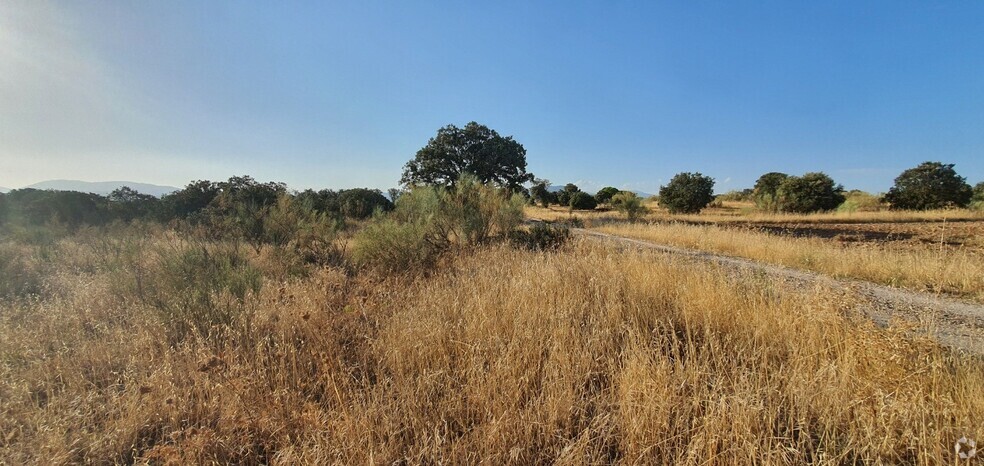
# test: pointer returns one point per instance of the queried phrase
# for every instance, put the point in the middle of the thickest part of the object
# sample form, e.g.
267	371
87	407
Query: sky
626	94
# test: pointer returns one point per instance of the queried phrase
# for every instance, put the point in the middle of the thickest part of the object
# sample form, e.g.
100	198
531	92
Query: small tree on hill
811	192
687	193
931	185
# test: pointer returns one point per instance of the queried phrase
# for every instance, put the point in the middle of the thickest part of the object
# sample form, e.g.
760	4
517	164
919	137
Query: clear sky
342	94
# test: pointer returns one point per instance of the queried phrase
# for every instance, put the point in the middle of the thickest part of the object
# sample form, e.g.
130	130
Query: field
587	354
913	250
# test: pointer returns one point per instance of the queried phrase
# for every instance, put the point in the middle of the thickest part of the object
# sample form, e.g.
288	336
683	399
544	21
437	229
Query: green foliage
564	195
33	207
191	200
766	191
428	220
361	203
977	200
628	203
812	192
541	237
582	201
202	288
931	185
605	194
474	149
860	201
737	196
540	193
127	204
687	193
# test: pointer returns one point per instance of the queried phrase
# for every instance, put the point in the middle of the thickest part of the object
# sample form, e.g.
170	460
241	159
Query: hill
102	187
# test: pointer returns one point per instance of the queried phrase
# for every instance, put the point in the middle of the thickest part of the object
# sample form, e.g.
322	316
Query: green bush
860	201
429	220
931	185
687	193
582	201
604	195
630	204
202	288
766	191
541	237
812	192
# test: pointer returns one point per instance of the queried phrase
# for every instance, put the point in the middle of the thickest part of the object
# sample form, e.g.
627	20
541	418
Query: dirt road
957	324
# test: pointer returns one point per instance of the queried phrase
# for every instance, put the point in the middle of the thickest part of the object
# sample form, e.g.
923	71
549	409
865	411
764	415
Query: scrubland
141	344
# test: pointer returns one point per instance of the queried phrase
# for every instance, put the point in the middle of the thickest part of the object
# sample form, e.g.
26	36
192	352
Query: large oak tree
474	149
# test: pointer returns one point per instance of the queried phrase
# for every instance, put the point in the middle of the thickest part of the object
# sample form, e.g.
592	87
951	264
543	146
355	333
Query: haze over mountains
102	187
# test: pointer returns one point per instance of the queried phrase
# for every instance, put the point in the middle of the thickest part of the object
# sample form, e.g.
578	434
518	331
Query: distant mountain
3	190
102	187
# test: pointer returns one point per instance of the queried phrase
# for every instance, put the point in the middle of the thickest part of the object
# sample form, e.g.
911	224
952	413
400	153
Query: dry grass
587	355
948	270
742	212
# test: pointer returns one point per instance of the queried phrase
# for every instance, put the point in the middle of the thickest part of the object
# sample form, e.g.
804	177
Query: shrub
361	203
811	192
687	193
860	201
605	194
736	196
931	185
541	237
766	191
582	201
20	273
428	220
202	288
977	201
629	204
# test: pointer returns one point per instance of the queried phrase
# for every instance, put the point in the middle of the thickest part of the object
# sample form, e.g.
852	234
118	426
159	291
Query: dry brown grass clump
503	356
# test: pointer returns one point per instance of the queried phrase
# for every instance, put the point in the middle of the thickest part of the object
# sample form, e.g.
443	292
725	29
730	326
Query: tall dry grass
948	270
743	212
502	356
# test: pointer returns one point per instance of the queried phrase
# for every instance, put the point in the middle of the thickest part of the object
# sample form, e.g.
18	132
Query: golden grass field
937	267
586	355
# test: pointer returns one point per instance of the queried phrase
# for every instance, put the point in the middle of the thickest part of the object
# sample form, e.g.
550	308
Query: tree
564	195
978	192
931	185
582	201
192	199
687	193
629	204
811	192
766	190
539	192
127	204
605	194
360	203
474	149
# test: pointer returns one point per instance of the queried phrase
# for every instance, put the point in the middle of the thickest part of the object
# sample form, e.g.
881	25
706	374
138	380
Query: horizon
624	94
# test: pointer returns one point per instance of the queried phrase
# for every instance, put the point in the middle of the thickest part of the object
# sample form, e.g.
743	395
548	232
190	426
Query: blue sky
331	94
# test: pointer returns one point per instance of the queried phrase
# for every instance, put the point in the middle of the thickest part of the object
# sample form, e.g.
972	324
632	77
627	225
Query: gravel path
957	324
